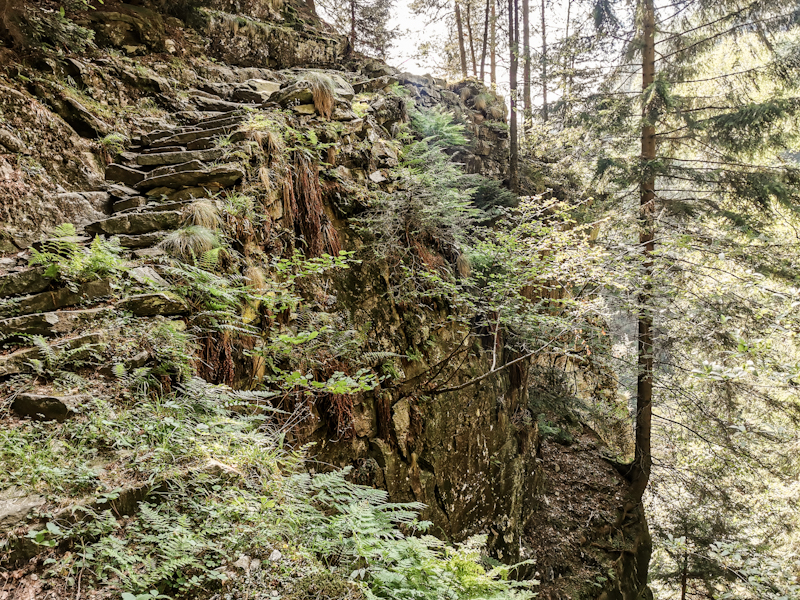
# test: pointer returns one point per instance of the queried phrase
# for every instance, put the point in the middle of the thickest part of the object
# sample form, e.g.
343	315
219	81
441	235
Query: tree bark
644	385
526	66
485	40
471	41
544	62
461	51
566	79
513	44
493	48
353	24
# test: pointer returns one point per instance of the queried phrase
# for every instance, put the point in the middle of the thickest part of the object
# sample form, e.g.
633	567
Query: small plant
361	109
57	364
113	144
439	128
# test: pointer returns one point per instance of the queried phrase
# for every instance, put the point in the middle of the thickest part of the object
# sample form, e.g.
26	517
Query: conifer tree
365	22
715	117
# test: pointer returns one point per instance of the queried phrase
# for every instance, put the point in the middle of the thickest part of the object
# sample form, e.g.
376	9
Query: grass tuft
190	242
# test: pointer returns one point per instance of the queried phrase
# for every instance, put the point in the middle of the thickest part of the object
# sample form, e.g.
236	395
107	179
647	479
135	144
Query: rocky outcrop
474	456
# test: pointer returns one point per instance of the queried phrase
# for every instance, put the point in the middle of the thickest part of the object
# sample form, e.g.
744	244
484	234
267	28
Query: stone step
123	174
211	142
51	323
217	104
175	158
60	298
17	362
162	150
191	165
121	191
145	240
224	175
127	204
185	138
226	121
30	281
136	223
148	139
158	206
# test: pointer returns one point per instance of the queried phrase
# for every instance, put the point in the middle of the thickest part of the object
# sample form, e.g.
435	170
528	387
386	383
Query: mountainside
169	357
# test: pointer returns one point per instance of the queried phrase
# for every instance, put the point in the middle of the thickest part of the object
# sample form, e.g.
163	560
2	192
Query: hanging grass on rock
203	213
190	242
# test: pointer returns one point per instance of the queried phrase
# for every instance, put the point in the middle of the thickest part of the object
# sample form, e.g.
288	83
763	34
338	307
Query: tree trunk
353	24
526	65
544	63
493	48
566	80
485	40
643	459
461	51
513	44
684	576
471	42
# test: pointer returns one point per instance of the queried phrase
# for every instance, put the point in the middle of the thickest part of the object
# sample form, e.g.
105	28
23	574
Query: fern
63	257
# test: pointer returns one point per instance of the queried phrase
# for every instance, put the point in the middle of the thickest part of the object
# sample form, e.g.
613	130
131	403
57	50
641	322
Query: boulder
137	223
15	504
48	408
49	301
148	276
19	361
74	113
31	281
127	26
255	90
81	208
12	143
373	85
148	305
51	323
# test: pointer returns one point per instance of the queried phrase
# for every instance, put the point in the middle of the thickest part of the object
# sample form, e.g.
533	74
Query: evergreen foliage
365	22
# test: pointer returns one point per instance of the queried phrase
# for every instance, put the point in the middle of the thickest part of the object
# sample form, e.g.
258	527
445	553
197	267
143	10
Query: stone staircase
150	187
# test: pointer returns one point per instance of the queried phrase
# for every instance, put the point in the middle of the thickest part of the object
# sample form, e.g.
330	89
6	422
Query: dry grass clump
256	279
496	112
463	265
203	213
322	91
482	101
190	242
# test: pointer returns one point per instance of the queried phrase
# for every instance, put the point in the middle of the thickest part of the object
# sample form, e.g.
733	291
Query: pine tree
714	116
365	22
